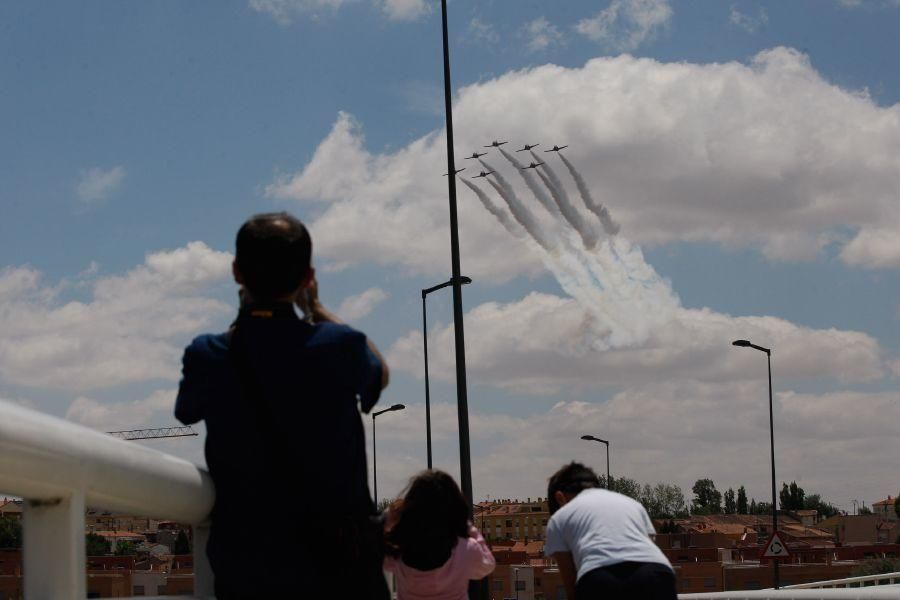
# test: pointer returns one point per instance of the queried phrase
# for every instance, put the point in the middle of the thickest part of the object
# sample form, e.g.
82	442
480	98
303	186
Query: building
885	509
855	529
513	519
11	508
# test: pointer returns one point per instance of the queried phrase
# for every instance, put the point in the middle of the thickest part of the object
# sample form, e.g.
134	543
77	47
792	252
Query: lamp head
741	343
465	280
588	437
397	407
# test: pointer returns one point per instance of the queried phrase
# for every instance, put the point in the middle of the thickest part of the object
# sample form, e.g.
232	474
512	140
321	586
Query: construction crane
153	434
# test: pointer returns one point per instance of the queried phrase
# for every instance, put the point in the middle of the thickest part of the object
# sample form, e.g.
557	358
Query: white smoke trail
519	211
575	219
538	192
508	223
609	226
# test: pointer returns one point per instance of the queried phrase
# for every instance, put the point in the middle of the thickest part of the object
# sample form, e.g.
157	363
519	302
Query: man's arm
567	572
308	300
189	403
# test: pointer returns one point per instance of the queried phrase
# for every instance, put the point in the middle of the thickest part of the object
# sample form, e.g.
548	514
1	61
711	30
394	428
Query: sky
747	155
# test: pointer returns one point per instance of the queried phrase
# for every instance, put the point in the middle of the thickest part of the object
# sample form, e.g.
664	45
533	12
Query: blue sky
752	156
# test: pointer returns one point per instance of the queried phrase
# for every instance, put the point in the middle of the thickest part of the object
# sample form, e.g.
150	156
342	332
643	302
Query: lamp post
463	280
768	351
374	455
596	439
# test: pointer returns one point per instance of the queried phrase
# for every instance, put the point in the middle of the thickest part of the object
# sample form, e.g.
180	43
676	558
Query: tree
627	486
663	501
876	566
742	501
707	500
182	544
791	496
730	505
669	526
897	506
753	507
763	508
10	532
864	510
815	502
96	545
125	548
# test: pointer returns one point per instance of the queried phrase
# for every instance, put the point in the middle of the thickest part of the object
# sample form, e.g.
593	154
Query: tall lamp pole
768	351
477	590
591	438
425	292
374	455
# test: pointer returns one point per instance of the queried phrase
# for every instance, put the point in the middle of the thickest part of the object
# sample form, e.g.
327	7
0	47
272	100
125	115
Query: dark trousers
628	581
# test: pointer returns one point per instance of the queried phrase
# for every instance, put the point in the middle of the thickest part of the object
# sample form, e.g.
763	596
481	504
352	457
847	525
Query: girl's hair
433	515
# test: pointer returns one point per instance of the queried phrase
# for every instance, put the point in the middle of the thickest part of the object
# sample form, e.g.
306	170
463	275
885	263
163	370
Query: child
603	542
432	547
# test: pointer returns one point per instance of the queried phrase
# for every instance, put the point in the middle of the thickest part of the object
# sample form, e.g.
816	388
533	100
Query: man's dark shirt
285	443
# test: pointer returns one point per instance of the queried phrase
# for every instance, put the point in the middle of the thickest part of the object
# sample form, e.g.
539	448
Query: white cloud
766	155
131	329
285	11
97	184
747	22
548	344
480	31
626	24
154	410
664	431
542	34
405	10
356	307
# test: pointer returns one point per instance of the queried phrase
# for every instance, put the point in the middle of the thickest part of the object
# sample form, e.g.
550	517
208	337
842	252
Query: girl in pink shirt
432	548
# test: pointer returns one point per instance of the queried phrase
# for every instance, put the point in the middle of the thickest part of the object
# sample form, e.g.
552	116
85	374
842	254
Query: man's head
568	482
273	255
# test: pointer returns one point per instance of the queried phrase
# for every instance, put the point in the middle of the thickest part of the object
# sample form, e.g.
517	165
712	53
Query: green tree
784	496
669	526
96	545
815	502
763	508
876	566
663	501
897	506
10	532
125	548
182	544
707	500
792	496
742	501
730	504
627	486
864	510
753	507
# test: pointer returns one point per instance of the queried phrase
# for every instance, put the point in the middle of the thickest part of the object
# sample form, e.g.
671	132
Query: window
138	590
509	522
520	585
537	581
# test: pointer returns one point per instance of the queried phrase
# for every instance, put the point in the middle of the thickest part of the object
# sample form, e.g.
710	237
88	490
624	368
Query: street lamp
768	351
374	455
591	438
463	280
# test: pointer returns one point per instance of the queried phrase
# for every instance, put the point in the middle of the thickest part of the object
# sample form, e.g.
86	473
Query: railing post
53	548
203	575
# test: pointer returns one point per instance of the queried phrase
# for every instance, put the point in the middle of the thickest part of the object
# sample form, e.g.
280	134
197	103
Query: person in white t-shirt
603	541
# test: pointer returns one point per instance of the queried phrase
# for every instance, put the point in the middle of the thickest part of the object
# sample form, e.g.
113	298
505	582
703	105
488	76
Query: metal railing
60	468
869	593
852	582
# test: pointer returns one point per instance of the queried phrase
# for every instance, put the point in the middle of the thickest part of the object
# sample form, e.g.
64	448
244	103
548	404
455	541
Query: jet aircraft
556	148
532	166
476	155
482	174
456	171
495	144
528	147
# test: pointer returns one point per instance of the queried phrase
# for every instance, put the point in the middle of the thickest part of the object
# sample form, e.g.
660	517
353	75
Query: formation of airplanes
497	144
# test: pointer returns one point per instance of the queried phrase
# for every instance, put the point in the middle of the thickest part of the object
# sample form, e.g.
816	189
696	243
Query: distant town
715	544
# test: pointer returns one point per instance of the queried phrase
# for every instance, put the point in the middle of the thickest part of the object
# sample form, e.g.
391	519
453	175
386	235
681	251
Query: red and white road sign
775	548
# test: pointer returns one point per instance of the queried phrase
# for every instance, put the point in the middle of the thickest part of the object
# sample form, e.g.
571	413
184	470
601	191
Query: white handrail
888	578
867	593
59	468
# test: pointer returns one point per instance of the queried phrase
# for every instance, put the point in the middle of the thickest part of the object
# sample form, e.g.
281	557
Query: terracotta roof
889	501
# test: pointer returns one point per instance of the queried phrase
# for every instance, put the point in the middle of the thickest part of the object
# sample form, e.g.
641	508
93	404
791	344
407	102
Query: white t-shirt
601	528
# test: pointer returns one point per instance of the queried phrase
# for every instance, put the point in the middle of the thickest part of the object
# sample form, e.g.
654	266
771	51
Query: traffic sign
775	548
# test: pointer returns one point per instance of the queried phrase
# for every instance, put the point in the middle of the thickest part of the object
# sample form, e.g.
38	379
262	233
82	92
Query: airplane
532	166
528	147
495	144
483	174
556	148
476	155
456	171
